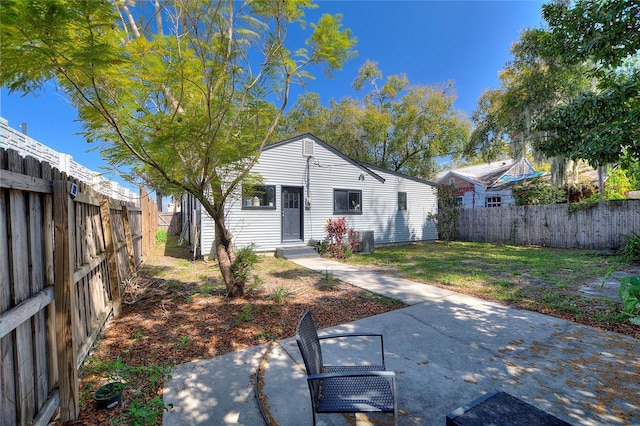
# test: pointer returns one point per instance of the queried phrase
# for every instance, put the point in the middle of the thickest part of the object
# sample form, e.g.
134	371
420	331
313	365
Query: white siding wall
506	197
393	226
284	165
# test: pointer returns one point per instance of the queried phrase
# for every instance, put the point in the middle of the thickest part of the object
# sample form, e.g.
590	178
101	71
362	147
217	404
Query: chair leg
395	401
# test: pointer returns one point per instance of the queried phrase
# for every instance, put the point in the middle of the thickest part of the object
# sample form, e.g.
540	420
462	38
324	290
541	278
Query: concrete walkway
446	348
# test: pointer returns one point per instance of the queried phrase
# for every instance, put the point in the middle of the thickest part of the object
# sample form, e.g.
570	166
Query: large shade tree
396	125
530	84
184	92
601	124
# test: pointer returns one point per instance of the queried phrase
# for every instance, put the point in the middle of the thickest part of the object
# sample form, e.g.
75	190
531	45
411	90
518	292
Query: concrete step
296	252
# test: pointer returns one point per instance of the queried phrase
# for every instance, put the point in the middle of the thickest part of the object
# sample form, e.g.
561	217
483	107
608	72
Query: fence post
114	286
66	303
128	238
144	206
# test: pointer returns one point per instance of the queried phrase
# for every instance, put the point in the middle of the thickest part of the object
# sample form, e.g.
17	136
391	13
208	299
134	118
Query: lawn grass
536	278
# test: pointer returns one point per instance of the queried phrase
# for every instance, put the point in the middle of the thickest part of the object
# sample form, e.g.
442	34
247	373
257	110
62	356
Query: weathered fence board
20	272
7	341
169	222
552	225
53	303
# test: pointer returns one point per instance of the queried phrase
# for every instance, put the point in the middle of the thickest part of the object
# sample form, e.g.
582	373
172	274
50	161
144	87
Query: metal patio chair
345	388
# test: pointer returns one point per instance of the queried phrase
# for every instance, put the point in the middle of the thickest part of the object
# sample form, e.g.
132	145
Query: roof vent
307	147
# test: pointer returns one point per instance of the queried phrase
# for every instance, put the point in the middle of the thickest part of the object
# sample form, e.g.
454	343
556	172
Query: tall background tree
571	92
184	92
531	83
396	125
600	125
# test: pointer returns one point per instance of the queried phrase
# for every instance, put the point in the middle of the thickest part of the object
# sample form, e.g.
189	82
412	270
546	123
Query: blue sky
431	42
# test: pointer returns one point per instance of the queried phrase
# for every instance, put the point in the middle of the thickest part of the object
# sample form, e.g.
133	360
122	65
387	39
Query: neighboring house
11	138
489	184
304	182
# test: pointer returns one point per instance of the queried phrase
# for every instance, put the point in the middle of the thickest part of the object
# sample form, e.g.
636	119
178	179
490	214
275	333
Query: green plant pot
109	395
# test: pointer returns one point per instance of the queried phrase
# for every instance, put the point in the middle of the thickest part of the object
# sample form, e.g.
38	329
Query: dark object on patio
345	388
501	409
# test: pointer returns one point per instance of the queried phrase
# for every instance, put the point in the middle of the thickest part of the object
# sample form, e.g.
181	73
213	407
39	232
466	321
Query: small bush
161	236
340	242
632	248
279	294
536	192
322	247
446	219
245	315
629	292
246	259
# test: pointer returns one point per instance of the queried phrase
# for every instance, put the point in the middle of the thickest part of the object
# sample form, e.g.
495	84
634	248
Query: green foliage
448	212
529	84
629	292
536	192
340	242
265	335
396	125
279	294
246	259
185	95
604	30
599	125
328	279
161	236
571	90
141	407
617	185
183	342
631	248
245	315
322	247
632	169
142	414
591	202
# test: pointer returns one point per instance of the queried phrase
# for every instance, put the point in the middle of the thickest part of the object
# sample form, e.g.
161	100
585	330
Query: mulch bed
167	322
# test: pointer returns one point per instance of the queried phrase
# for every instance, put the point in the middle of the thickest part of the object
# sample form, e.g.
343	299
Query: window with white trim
347	201
493	201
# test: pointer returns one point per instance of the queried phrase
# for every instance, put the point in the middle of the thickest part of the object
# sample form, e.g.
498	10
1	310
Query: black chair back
309	345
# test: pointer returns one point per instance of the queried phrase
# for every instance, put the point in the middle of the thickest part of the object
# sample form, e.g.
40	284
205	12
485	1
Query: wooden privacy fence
170	222
66	254
552	225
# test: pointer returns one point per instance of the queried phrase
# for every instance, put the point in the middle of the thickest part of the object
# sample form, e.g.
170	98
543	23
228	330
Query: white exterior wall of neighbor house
473	194
11	138
284	165
478	197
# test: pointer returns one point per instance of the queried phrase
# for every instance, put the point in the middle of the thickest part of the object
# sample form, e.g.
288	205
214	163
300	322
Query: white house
488	184
304	182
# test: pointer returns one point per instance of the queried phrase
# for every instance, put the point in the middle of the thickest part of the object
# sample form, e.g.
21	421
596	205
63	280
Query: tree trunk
601	186
226	258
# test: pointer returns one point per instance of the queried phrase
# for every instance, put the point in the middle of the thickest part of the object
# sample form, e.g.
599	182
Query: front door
291	213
